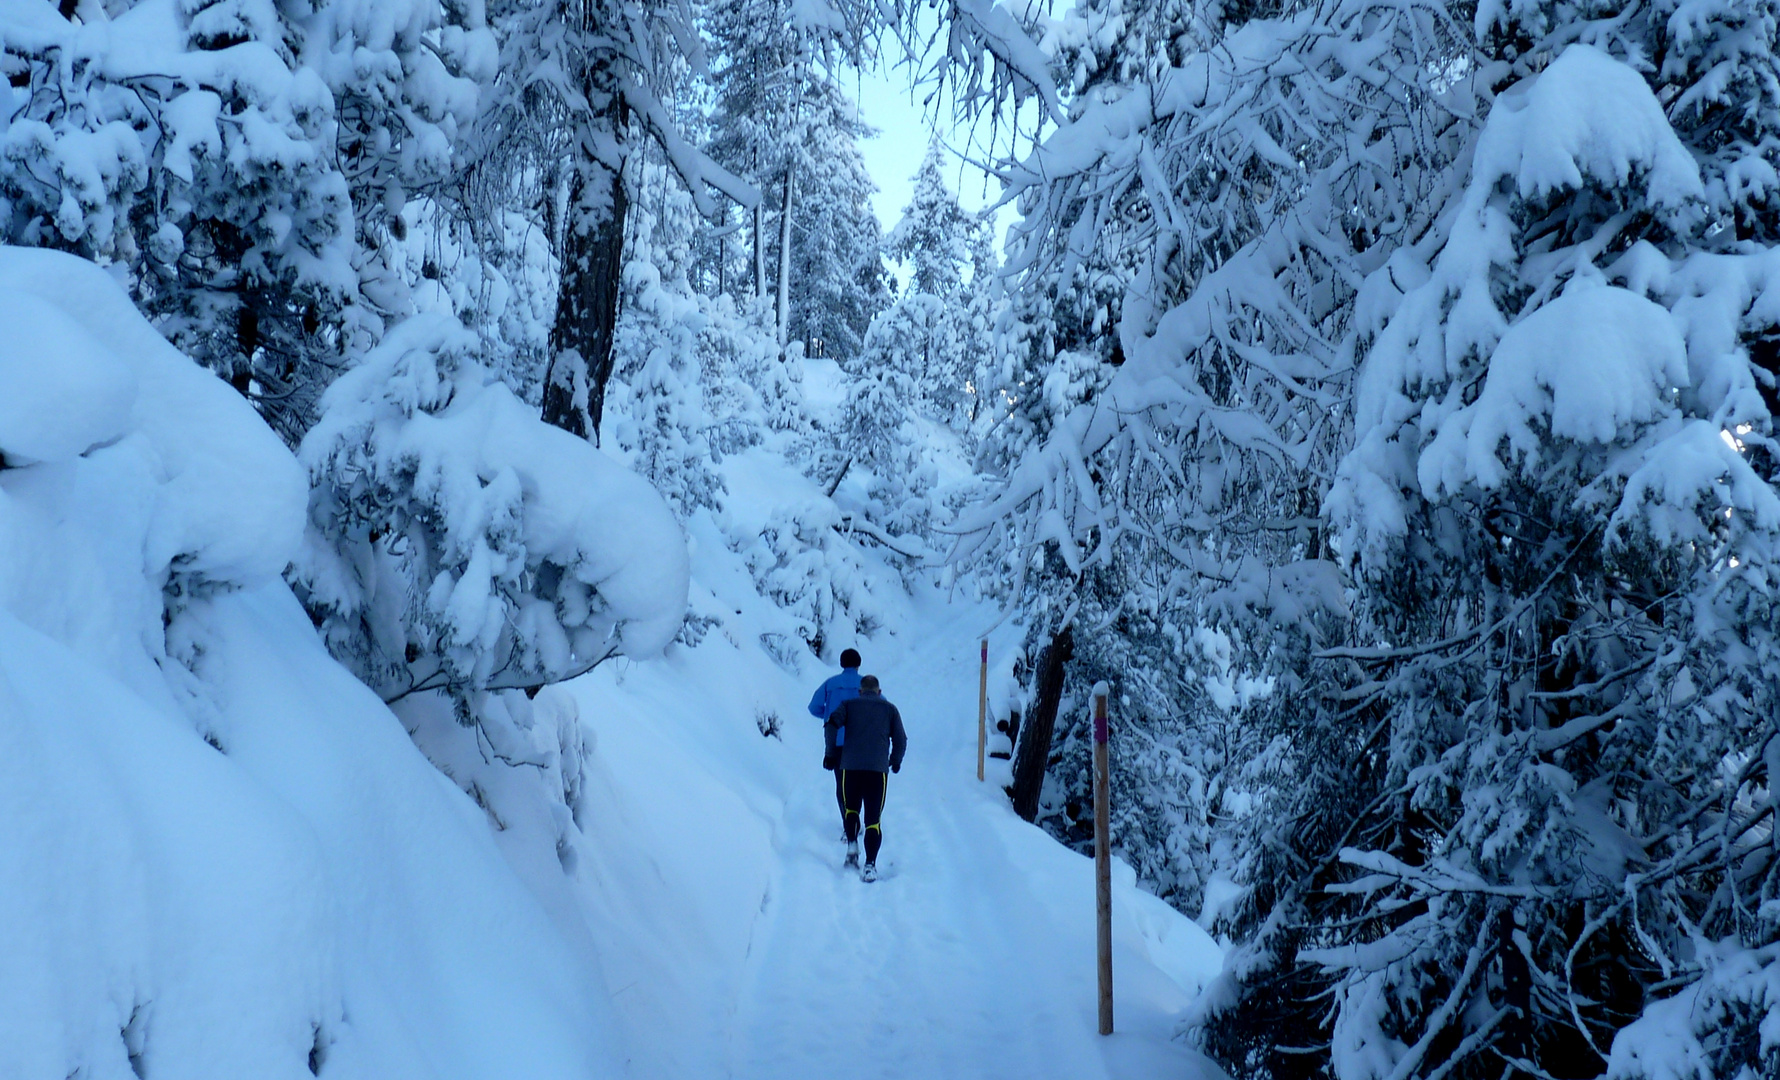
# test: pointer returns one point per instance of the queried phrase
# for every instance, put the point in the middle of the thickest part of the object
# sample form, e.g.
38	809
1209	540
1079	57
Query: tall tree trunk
587	294
785	262
760	250
1035	734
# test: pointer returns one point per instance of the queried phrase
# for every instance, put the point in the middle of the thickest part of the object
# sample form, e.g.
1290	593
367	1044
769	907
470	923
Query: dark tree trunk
587	297
1034	753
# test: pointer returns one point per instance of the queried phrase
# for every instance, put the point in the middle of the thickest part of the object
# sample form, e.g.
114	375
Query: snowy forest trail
876	980
971	957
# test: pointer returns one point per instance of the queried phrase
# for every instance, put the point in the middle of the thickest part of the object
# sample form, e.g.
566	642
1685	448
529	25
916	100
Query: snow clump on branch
458	543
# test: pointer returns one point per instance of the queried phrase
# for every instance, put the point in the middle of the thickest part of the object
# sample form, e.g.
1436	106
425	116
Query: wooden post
1102	861
982	708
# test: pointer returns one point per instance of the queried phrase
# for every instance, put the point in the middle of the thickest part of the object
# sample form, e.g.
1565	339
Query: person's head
868	685
849	658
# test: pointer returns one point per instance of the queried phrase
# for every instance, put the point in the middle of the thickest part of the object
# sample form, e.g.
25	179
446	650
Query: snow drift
225	857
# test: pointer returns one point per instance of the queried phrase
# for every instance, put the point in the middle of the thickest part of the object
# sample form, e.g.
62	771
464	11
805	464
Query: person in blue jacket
872	750
834	690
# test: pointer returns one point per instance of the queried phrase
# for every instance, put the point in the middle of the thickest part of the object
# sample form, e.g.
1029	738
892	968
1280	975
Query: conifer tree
783	121
934	234
925	336
1529	770
249	179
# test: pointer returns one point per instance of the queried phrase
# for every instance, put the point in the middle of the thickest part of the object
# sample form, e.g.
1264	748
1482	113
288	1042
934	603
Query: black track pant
864	789
840	795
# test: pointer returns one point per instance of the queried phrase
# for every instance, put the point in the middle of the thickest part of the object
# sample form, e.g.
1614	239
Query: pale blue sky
887	103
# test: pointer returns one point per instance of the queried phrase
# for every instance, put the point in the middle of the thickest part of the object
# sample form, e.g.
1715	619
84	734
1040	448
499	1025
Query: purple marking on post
1100	729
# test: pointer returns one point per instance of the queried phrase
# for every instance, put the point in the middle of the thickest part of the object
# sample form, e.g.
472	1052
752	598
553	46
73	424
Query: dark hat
849	658
869	684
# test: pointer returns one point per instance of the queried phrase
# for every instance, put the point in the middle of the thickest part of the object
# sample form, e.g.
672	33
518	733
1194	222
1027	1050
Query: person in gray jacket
865	743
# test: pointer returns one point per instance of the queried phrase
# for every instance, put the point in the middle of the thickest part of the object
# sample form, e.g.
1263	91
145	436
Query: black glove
831	759
896	767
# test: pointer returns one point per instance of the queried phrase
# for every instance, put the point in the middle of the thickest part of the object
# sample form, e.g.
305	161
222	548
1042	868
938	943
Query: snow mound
67	394
228	498
1584	367
1586	117
224	855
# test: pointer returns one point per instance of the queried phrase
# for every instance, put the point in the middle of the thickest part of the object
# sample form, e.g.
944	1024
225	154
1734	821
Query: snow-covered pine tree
838	280
203	167
494	271
696	377
934	235
584	85
923	335
408	80
879	431
1519	822
247	171
986	333
1192	237
782	120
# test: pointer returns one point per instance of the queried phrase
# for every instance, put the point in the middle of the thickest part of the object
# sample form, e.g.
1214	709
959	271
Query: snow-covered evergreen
457	543
1536	512
782	120
1563	449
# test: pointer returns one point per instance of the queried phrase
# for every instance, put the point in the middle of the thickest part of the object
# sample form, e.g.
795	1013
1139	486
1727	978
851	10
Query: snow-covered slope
223	857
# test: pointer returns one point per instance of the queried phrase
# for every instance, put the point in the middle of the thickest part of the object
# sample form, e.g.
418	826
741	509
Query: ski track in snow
971	957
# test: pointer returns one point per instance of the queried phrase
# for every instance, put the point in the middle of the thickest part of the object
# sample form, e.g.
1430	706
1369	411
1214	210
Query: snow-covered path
972	957
939	968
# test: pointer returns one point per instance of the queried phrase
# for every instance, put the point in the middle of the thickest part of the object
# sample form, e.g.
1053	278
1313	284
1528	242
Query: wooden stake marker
982	708
1102	861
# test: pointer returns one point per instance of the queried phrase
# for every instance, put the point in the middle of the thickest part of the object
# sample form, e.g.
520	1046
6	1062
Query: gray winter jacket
874	737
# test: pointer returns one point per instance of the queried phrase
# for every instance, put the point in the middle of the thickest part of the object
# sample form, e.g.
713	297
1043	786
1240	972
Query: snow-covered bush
457	543
802	563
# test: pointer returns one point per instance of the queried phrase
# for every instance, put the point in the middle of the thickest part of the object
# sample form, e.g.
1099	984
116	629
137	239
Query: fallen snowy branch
902	545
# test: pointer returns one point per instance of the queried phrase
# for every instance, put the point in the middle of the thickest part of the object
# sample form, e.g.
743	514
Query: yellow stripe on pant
883	801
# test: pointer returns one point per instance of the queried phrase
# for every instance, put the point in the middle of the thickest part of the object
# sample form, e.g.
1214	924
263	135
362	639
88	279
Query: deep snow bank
223	856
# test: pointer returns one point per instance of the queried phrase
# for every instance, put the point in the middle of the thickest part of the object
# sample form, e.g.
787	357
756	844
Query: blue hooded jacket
834	690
